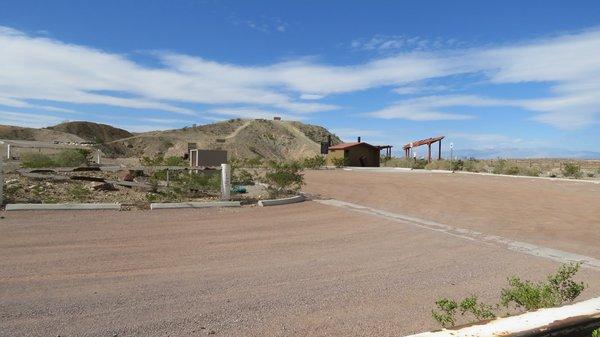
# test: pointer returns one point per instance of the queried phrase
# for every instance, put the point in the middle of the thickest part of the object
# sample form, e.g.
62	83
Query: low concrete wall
34	207
194	204
284	201
576	320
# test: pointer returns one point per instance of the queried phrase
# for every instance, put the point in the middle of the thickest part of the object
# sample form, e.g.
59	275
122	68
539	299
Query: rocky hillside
42	135
242	138
92	132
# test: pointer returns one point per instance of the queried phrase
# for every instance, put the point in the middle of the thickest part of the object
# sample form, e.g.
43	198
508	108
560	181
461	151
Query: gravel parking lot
296	270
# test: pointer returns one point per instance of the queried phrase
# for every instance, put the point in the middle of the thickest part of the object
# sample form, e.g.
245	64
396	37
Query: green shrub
283	178
596	333
36	160
175	161
196	184
571	170
314	163
558	289
499	166
512	170
340	161
71	158
457	165
79	193
157	160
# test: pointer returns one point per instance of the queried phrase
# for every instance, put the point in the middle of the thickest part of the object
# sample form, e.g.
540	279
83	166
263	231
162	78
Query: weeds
160	160
558	289
314	163
79	193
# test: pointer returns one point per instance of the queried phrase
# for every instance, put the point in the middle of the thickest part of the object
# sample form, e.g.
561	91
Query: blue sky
502	74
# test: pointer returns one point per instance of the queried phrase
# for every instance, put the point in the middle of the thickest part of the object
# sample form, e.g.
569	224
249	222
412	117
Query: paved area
295	270
556	214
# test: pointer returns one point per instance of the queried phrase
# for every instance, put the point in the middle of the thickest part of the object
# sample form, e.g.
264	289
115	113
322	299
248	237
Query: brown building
355	154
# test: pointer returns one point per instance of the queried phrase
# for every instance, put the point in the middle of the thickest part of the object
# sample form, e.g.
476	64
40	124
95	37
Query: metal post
429	153
440	150
7	152
225	181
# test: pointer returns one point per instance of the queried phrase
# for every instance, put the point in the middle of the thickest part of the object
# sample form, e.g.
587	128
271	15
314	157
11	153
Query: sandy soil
298	270
558	214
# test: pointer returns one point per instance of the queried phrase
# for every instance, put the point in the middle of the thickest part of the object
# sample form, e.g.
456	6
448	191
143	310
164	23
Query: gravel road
299	270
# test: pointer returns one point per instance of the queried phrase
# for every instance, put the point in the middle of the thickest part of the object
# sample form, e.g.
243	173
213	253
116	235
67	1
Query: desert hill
92	132
42	135
242	138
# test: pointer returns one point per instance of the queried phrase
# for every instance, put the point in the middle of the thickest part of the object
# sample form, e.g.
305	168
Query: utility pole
2	177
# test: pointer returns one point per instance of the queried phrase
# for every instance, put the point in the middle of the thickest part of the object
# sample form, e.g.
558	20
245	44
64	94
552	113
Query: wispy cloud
39	68
395	43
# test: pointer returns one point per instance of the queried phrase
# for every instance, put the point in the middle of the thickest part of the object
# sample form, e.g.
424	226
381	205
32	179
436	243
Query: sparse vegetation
283	178
520	295
314	163
79	193
242	177
339	161
65	158
571	170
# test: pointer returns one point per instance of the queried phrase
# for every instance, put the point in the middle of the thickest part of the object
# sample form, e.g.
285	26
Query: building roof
343	146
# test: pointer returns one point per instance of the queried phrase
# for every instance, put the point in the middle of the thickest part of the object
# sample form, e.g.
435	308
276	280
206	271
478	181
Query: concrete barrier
74	207
576	320
284	201
195	204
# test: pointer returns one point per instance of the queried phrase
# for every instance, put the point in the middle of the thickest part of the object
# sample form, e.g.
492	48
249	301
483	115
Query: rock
98	186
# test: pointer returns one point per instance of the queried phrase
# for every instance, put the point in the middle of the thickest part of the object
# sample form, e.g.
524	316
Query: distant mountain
92	132
515	153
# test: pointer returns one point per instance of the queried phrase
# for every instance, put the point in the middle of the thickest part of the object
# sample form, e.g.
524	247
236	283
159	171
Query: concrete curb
284	201
195	204
62	207
402	169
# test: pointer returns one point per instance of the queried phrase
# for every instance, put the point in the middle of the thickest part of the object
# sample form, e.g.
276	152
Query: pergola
388	150
427	142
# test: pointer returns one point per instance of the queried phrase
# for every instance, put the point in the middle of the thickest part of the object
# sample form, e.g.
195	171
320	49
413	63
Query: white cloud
40	68
253	113
433	108
28	119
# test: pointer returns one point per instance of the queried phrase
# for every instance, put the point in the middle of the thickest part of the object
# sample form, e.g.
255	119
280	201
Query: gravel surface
558	214
297	270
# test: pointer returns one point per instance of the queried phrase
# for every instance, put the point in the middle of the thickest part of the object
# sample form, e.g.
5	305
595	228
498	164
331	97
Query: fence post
225	181
1	179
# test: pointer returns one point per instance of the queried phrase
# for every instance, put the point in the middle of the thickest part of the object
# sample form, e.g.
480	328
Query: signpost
225	181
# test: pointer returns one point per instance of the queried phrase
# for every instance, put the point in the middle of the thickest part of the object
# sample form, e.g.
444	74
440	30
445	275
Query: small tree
339	161
283	178
314	163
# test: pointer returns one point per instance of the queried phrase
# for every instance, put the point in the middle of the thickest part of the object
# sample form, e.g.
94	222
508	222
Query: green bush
36	160
160	160
196	184
596	333
314	163
65	158
470	305
340	161
71	158
558	289
175	161
471	165
571	170
283	178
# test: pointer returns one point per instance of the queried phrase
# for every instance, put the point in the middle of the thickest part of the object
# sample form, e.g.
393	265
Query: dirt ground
296	270
558	214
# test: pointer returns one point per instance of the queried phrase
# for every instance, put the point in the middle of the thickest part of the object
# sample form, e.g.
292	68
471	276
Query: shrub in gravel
521	295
